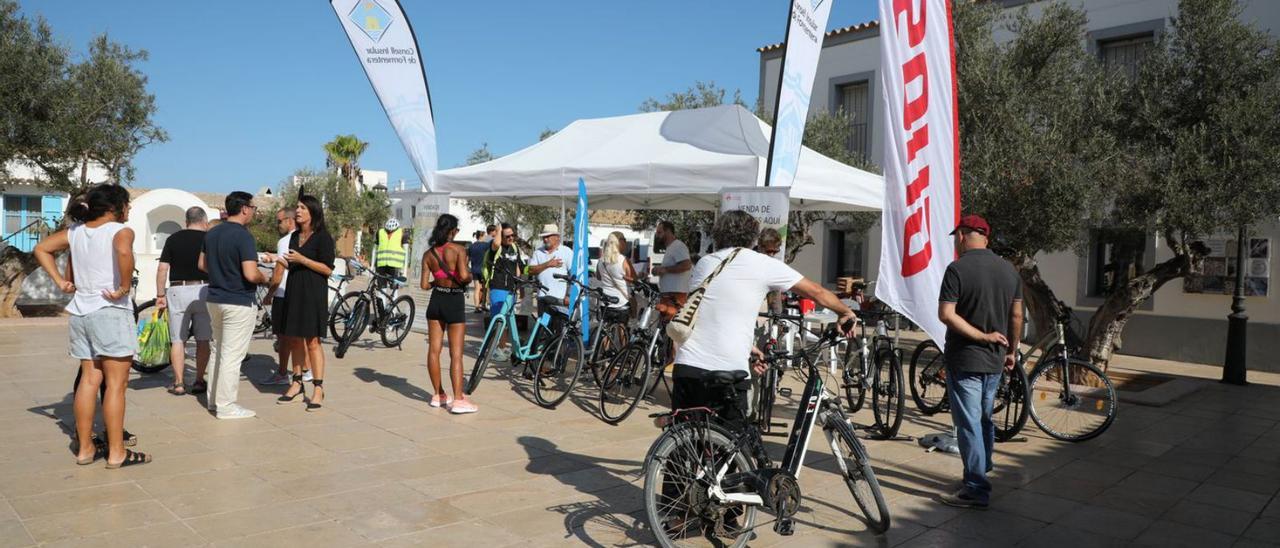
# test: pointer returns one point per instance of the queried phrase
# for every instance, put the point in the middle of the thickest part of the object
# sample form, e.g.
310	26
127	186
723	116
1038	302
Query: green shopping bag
153	339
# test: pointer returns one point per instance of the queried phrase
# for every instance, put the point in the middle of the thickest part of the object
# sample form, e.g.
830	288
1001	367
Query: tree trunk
15	265
1039	298
1109	319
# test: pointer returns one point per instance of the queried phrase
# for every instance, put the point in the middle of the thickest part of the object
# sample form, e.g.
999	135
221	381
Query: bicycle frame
521	348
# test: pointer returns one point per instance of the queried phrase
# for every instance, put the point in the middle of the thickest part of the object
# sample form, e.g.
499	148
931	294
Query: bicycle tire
138	366
395	318
1048	403
487	348
340	313
854	391
1011	411
666	454
263	313
887	393
768	393
928	380
628	370
355	327
855	466
554	381
658	361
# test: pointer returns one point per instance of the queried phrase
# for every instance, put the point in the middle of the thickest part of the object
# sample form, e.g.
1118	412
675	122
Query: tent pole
563	220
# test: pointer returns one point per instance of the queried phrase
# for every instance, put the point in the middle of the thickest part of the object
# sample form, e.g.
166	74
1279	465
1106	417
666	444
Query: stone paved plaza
378	466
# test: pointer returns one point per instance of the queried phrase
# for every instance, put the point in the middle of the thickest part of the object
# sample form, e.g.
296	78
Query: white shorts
107	332
188	314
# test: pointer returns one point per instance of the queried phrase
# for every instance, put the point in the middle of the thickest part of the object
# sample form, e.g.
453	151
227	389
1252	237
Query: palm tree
344	155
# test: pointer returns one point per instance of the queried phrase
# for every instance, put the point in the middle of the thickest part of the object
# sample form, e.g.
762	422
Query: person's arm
45	250
1015	333
323	263
162	281
628	271
277	276
201	264
826	299
460	260
425	281
948	316
535	269
122	247
682	266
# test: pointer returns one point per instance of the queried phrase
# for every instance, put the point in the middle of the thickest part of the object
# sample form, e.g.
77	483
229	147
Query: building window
1115	257
848	249
855	101
1125	54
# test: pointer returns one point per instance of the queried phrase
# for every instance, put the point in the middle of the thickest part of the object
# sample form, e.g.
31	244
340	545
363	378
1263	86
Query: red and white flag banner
921	157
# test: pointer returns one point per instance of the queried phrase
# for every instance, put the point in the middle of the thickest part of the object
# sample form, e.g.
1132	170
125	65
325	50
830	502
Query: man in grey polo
981	305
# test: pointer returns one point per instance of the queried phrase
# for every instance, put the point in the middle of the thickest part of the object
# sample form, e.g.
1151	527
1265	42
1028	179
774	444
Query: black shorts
278	312
448	305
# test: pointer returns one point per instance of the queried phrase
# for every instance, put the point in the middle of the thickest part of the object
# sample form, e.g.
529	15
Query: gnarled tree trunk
15	265
1109	319
1037	295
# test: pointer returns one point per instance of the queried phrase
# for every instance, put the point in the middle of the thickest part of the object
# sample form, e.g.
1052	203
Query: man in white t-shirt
548	261
276	300
673	273
722	336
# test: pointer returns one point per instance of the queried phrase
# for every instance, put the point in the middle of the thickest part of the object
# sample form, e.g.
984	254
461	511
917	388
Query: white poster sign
769	205
803	45
921	158
388	50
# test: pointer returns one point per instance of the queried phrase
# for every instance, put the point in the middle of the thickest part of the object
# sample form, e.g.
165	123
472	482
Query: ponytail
99	200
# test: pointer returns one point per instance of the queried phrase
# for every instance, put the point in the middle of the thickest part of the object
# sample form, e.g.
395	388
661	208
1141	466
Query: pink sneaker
438	401
463	407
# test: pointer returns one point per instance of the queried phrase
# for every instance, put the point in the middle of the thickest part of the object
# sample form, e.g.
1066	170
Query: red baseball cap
975	223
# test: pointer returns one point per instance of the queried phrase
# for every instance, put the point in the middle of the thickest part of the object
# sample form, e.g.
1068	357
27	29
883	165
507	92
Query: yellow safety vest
390	251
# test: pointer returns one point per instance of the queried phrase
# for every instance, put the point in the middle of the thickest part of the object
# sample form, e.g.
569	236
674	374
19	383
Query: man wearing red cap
981	305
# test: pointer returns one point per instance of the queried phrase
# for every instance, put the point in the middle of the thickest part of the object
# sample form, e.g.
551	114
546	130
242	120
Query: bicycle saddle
725	378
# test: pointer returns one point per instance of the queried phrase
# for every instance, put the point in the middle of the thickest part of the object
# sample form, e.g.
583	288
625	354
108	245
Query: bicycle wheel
851	377
263	314
356	323
677	474
1071	400
623	382
855	466
557	372
488	348
658	361
1010	411
142	313
398	322
928	378
887	392
340	314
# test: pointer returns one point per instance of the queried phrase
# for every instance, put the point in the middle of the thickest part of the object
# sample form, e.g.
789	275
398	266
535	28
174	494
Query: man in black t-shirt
187	288
981	305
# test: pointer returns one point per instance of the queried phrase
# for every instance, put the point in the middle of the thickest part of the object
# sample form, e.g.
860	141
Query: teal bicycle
526	351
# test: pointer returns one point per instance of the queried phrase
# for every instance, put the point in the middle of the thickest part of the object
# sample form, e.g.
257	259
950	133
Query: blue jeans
972	396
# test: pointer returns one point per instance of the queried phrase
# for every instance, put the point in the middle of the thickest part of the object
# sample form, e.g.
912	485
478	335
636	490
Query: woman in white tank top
99	273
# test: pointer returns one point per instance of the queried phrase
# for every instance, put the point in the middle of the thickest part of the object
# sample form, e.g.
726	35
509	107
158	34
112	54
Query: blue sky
249	91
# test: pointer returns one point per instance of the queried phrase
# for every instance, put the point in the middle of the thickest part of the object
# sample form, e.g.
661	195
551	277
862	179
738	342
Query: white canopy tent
660	160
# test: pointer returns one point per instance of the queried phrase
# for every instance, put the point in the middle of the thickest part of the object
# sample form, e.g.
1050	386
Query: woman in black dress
311	256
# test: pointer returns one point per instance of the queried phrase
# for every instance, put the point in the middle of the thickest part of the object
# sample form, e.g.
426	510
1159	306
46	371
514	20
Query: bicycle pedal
784	527
784	392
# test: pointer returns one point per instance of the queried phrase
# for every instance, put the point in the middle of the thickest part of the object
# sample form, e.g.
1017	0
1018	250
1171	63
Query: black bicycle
378	309
871	365
627	378
561	365
705	480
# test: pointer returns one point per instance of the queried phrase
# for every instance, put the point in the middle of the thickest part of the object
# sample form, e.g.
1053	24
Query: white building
157	214
1182	321
26	203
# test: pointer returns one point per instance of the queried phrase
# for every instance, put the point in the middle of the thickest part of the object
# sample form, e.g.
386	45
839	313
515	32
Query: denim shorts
108	332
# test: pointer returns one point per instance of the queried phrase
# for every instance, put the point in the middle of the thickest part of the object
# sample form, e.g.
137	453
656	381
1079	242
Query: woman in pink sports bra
445	273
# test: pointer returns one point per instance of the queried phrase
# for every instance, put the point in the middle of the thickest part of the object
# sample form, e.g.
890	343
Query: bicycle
705	478
1069	388
524	351
648	342
871	364
339	310
552	383
378	309
627	375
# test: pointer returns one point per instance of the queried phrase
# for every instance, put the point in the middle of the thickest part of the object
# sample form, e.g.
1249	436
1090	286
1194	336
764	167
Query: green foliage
343	154
701	95
1037	159
64	116
1203	113
345	208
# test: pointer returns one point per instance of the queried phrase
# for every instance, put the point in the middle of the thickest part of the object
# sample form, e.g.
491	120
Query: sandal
199	387
312	406
130	458
99	451
302	392
178	390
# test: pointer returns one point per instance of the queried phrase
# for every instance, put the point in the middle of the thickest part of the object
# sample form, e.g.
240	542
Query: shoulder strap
719	267
442	267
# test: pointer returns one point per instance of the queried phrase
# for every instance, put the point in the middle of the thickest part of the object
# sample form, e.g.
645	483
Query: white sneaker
234	411
306	375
